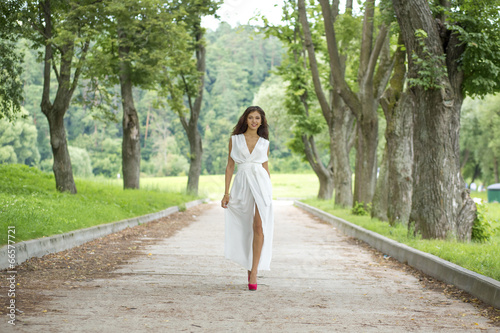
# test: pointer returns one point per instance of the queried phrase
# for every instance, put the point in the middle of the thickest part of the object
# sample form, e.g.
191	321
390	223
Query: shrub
482	230
361	209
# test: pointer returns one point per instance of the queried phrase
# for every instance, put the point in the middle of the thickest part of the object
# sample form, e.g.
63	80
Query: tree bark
400	151
380	201
441	205
191	126
395	188
131	143
343	131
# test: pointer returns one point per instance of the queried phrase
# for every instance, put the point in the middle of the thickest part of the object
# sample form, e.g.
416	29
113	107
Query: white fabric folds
251	186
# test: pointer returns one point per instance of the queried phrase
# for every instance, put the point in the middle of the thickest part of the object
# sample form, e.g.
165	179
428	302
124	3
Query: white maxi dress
252	186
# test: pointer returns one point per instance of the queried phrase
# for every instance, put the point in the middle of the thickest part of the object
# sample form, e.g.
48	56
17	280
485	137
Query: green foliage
29	201
478	25
431	68
480	139
18	141
80	162
11	87
361	209
482	229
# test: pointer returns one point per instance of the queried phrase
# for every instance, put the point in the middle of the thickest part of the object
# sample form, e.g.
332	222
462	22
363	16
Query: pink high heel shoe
252	286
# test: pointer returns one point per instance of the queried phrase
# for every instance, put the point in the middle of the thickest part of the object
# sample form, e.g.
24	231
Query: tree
308	122
444	63
374	71
184	81
11	89
65	30
338	117
138	40
392	199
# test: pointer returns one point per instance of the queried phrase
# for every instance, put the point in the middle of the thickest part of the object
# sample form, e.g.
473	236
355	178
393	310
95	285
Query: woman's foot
252	286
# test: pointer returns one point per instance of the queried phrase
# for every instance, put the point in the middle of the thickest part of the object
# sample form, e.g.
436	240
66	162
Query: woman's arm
229	175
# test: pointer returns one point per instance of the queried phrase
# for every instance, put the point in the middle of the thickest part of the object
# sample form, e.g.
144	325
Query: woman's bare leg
258	242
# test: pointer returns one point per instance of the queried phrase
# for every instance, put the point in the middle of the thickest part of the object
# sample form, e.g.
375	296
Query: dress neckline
246	144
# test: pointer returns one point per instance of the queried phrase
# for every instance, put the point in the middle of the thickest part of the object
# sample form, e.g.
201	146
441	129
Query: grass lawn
30	203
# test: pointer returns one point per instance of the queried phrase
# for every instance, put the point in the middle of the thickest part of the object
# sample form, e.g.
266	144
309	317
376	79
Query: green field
30	203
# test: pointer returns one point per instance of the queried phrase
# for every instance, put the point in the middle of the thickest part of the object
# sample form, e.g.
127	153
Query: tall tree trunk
395	188
372	81
343	130
131	143
340	123
63	171
191	126
380	201
441	205
55	111
400	152
366	158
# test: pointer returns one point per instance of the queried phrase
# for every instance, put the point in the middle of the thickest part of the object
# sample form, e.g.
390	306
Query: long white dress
252	186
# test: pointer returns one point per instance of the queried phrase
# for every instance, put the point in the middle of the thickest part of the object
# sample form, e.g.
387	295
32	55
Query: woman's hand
224	201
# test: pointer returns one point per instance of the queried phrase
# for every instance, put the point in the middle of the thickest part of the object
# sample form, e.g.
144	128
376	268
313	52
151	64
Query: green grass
30	203
482	258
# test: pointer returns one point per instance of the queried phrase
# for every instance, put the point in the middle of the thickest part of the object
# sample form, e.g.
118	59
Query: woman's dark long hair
242	126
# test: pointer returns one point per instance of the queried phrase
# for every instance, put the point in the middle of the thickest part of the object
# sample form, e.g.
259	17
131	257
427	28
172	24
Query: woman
249	213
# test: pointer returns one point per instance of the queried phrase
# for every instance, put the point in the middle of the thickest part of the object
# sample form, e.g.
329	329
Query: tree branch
372	62
186	89
366	41
79	66
343	89
325	107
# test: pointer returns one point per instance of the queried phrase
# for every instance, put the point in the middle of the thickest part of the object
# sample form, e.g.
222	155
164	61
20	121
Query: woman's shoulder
265	140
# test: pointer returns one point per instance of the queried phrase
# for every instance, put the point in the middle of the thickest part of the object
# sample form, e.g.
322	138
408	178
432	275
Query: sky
237	12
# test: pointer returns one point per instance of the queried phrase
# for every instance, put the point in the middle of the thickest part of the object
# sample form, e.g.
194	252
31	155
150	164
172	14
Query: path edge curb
480	286
41	246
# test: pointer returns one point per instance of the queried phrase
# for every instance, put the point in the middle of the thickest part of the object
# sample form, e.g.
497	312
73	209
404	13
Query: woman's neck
250	132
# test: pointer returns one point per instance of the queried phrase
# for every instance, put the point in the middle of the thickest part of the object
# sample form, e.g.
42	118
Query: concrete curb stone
42	246
480	286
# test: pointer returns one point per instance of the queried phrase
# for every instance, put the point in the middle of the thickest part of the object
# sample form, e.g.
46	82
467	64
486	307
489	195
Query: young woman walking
249	207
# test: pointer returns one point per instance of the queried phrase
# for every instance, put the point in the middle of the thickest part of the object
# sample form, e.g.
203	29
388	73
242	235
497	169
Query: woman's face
254	120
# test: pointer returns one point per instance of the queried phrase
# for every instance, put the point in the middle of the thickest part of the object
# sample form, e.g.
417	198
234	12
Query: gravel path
320	281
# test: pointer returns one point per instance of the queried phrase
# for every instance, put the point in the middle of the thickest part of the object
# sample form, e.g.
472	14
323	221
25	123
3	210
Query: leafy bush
482	230
361	209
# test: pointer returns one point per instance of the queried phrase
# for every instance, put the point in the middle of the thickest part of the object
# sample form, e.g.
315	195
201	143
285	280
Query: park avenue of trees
376	92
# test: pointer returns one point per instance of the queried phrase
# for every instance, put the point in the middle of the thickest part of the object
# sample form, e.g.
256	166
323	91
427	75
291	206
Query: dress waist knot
257	173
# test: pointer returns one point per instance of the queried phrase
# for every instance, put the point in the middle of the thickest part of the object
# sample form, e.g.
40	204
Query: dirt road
320	281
